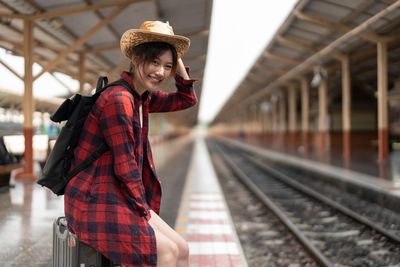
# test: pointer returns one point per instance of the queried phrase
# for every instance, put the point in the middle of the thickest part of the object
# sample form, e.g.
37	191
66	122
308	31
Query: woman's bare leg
167	251
163	228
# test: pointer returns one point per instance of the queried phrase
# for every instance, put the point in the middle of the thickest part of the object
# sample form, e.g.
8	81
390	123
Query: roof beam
101	49
11	70
296	43
75	10
12	15
370	36
286	60
82	40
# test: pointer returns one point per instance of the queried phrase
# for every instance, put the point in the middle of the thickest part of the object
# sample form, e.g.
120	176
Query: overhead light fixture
265	106
320	74
56	22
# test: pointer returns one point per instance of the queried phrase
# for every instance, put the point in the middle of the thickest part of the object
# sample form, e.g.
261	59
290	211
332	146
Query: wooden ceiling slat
75	10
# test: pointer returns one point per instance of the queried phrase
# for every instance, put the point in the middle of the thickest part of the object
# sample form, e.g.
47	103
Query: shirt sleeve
184	97
116	123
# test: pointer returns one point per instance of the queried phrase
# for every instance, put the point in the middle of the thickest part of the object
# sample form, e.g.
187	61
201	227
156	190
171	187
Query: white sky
240	30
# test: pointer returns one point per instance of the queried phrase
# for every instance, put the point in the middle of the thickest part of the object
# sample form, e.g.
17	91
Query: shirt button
144	213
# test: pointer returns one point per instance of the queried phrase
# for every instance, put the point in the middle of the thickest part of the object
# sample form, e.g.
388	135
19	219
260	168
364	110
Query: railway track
332	234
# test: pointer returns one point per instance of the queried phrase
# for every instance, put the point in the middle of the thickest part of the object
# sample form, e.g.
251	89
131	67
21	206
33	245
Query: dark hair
147	52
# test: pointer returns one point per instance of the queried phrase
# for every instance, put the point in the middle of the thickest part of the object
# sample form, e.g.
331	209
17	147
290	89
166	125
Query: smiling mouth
156	80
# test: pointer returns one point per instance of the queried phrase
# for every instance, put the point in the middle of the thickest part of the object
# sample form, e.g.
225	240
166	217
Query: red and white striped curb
204	219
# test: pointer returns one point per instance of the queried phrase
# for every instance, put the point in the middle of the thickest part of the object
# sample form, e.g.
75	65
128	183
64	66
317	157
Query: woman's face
151	75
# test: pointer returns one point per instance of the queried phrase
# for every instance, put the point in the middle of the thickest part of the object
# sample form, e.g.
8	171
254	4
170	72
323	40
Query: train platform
204	219
374	187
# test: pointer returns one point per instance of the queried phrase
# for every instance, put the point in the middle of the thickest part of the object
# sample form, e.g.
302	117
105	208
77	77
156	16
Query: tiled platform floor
204	219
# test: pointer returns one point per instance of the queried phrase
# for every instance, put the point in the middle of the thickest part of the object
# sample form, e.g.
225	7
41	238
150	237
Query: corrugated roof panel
103	36
327	10
354	4
47	39
59	4
377	25
305	36
311	27
298	38
189	11
46	53
274	63
11	34
197	44
328	39
393	15
297	49
80	26
357	20
114	56
287	52
196	65
376	7
133	16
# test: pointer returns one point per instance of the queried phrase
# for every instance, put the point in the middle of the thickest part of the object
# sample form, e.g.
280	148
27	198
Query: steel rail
315	253
308	191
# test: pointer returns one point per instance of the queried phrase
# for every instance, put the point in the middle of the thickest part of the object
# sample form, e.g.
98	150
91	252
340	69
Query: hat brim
134	37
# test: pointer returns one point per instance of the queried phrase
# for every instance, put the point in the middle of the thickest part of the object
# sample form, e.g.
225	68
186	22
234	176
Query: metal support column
346	107
383	142
28	101
305	109
323	117
292	117
282	120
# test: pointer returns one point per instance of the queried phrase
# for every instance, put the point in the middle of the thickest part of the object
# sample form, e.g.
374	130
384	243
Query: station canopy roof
67	31
320	34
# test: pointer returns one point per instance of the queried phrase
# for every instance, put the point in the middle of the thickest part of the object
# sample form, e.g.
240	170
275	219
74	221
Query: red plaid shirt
107	205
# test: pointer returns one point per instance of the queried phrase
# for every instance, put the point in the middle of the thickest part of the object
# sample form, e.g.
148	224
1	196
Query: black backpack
56	174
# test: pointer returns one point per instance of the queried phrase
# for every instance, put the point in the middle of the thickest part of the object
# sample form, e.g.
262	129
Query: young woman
113	205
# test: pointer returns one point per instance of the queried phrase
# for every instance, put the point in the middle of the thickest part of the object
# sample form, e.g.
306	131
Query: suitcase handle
61	227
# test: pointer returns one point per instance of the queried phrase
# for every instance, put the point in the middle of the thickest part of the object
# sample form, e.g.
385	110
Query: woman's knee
170	252
183	249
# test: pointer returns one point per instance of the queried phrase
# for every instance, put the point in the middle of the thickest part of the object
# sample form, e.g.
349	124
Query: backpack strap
88	161
122	83
101	83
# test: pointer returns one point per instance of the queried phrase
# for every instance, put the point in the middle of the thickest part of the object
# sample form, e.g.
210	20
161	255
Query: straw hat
153	31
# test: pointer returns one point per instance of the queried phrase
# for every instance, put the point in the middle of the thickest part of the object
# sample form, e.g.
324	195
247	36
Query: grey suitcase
68	251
